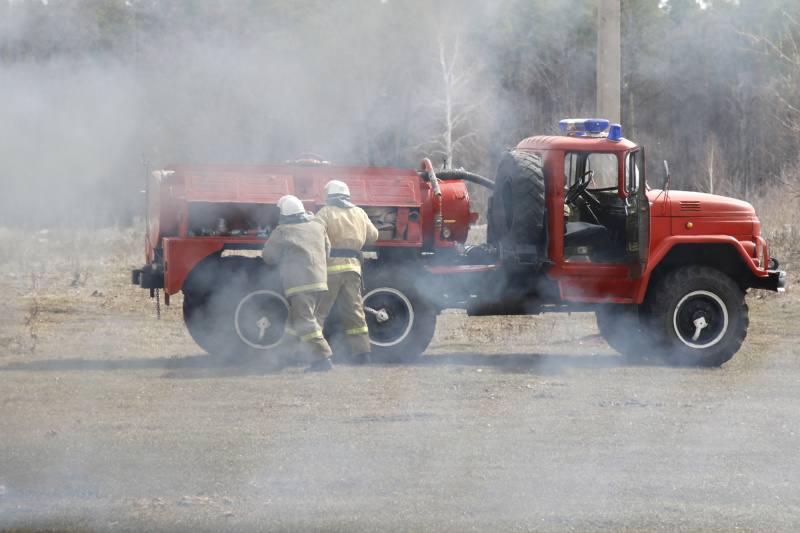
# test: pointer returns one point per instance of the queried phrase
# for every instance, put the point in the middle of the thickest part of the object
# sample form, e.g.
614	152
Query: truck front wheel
401	321
700	317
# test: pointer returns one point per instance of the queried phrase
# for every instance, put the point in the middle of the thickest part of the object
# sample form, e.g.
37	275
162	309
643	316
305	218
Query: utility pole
608	60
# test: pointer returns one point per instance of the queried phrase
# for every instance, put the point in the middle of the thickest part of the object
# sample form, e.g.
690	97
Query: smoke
69	128
88	87
87	91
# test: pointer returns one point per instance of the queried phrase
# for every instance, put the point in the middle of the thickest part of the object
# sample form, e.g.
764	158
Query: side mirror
667	175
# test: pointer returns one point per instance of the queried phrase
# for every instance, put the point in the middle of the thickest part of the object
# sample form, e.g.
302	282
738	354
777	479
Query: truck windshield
605	168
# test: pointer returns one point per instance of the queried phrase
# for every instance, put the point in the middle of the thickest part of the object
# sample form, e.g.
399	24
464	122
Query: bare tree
718	179
784	50
451	100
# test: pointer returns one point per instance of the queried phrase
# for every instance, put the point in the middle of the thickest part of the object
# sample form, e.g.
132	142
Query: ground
114	420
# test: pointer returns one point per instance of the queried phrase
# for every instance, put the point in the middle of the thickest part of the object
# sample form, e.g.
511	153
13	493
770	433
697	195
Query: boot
362	359
321	365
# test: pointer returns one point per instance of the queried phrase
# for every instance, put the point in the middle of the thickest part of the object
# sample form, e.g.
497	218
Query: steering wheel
579	187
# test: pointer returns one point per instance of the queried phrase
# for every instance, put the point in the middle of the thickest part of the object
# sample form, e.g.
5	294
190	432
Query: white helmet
283	199
290	205
336	187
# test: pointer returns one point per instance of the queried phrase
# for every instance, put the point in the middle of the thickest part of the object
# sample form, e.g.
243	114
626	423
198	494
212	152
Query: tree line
91	85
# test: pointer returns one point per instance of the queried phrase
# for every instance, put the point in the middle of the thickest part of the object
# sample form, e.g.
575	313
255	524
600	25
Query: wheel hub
700	324
700	319
390	316
263	324
260	319
380	315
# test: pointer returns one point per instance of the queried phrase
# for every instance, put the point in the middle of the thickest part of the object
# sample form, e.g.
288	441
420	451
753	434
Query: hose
430	176
456	174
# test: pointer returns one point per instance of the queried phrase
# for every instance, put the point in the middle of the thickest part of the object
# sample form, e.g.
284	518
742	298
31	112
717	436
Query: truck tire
518	208
621	328
401	321
699	316
239	312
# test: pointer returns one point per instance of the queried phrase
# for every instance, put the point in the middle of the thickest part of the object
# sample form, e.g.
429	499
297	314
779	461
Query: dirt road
112	420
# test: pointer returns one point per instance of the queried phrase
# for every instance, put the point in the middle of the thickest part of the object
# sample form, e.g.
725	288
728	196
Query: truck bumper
775	281
149	277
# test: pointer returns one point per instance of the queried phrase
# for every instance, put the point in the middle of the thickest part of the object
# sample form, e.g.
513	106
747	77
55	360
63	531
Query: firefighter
349	229
300	249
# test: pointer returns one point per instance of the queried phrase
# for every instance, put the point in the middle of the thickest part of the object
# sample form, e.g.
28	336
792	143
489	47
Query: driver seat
584	234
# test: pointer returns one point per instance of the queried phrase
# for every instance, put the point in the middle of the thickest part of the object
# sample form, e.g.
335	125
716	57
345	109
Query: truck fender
668	244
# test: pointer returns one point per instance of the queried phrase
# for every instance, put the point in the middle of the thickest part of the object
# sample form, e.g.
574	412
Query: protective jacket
349	228
300	249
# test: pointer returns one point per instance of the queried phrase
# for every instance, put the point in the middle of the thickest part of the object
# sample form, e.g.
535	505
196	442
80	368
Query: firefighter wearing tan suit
300	249
349	229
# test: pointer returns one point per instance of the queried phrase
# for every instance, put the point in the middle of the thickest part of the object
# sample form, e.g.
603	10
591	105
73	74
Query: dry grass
780	225
53	278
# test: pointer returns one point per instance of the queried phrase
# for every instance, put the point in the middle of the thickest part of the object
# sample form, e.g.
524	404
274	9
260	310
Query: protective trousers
347	287
303	335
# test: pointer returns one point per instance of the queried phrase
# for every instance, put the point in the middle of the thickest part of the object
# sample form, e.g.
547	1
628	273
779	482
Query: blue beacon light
615	133
586	125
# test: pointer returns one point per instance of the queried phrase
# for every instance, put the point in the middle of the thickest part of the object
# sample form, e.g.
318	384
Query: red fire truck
573	225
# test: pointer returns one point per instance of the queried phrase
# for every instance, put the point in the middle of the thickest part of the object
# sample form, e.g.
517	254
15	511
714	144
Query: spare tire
518	209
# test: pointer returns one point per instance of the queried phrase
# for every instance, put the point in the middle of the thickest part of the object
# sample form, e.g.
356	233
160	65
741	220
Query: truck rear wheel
518	210
700	316
401	321
240	312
